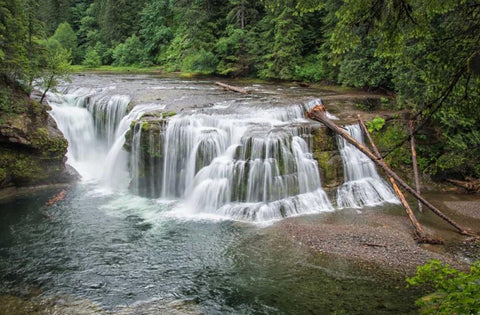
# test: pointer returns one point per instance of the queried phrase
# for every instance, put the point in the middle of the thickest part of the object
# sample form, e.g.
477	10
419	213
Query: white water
239	162
242	166
89	120
362	186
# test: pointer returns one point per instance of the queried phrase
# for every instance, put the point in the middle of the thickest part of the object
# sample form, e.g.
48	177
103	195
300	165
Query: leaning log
318	113
414	161
232	88
419	232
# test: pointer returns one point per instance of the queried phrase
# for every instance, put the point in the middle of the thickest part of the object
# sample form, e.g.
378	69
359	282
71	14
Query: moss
145	126
22	167
324	140
169	114
51	147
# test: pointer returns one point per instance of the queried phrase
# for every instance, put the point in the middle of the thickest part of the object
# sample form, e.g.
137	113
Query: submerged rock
32	148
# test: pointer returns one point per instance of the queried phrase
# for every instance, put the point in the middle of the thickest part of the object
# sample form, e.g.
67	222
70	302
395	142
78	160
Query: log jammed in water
232	88
420	234
318	113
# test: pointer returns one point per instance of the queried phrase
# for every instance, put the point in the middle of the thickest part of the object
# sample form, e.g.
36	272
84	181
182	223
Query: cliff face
32	148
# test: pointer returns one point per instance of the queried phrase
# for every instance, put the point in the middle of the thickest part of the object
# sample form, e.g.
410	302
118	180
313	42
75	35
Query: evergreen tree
13	38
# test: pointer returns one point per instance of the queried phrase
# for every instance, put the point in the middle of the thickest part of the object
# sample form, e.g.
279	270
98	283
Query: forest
425	53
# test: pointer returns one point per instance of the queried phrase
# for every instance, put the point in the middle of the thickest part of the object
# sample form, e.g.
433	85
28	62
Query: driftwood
420	234
414	161
58	197
318	113
232	88
471	185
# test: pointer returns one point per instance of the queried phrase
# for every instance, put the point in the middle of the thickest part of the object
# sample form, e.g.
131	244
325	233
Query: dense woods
425	52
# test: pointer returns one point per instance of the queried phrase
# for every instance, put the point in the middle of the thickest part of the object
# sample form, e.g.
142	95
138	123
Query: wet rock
32	148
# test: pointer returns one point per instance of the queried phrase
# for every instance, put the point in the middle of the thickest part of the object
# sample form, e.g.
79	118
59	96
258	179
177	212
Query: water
247	160
363	186
120	252
167	226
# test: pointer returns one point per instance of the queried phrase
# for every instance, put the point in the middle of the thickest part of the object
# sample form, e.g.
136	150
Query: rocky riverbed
384	238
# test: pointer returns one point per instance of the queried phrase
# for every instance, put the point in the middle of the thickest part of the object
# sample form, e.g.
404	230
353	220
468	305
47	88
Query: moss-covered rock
144	141
325	151
32	149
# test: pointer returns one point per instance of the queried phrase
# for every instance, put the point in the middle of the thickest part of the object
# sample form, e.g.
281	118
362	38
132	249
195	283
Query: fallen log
232	88
414	161
318	113
420	234
471	186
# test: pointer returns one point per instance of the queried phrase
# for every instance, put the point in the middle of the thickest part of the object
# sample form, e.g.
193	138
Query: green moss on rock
32	149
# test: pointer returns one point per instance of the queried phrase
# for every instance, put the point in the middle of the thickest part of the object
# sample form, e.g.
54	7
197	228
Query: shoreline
374	237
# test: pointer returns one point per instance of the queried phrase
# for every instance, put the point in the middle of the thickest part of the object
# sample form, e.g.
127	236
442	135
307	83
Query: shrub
455	292
92	59
376	124
201	61
131	52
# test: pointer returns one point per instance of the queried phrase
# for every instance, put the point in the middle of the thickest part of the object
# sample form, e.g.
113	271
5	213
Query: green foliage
13	36
131	52
6	104
281	59
66	37
311	69
376	124
454	292
201	61
360	68
387	138
425	51
92	59
155	20
55	65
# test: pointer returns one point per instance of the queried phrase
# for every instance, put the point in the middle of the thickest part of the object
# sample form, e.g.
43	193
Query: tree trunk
419	232
46	89
318	114
414	161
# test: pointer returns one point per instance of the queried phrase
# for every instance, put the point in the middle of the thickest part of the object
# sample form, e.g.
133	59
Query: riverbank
383	237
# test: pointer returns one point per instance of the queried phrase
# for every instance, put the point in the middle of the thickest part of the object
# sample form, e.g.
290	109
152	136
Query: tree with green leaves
55	65
67	38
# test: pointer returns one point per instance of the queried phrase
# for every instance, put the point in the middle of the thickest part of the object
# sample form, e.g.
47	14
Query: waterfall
248	165
248	162
89	119
362	186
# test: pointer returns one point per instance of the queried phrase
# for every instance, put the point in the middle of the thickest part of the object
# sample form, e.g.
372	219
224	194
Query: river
104	249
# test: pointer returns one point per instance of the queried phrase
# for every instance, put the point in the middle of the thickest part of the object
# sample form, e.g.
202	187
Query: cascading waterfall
243	166
245	163
89	119
363	185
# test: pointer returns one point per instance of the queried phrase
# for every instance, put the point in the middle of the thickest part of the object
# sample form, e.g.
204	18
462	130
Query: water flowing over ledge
241	160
